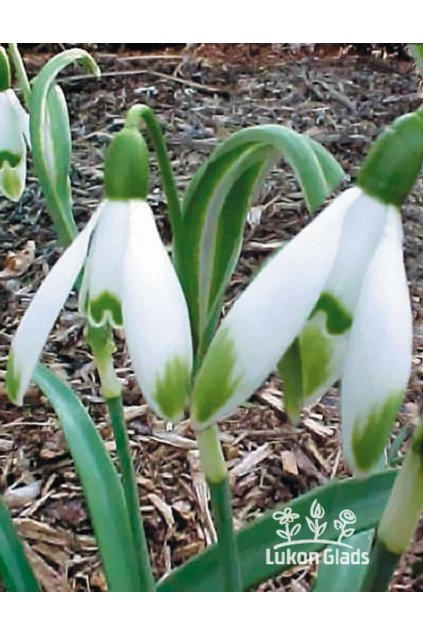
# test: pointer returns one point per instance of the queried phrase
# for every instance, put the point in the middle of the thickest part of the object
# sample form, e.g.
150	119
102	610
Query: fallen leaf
289	462
250	461
163	508
20	496
201	490
6	445
46	575
16	264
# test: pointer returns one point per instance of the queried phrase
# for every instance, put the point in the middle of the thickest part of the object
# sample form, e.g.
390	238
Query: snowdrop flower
324	341
14	131
128	281
339	290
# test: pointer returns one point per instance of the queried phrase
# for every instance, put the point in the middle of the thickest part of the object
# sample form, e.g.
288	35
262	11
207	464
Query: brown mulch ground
201	94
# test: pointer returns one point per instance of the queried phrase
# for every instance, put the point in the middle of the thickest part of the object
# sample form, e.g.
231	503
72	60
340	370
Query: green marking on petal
315	357
216	382
12	380
338	319
11	182
106	307
9	157
369	437
173	387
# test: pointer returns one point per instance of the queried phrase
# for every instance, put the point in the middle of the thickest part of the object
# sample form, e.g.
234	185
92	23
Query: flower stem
130	488
216	474
381	568
146	114
21	75
400	517
102	346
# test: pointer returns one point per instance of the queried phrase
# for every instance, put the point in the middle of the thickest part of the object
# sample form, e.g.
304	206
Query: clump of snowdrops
331	305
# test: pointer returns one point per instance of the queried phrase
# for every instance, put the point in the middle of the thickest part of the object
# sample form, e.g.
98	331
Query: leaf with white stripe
51	139
217	202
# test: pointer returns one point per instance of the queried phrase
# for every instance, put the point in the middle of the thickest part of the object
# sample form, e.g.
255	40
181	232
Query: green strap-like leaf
216	204
290	369
15	569
366	498
51	139
343	577
61	145
100	483
228	243
416	51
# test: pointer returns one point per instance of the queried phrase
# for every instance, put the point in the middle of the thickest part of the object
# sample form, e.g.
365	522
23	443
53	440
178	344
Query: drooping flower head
333	304
14	135
128	281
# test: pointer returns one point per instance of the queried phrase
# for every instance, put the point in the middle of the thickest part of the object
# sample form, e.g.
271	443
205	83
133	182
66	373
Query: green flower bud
4	70
394	160
126	169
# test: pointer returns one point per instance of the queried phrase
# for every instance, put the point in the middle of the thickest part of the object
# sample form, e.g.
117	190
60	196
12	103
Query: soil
201	93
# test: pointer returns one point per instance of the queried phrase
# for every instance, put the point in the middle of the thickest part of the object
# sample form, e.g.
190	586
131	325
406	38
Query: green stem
102	346
130	488
220	494
21	75
216	473
147	115
400	517
381	568
63	221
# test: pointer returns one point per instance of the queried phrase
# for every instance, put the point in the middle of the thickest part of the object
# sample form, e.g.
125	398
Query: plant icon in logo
345	518
317	525
317	512
285	518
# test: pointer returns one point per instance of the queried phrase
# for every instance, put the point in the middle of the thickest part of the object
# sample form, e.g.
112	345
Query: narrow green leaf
366	498
51	139
4	70
100	483
341	577
416	51
393	457
216	204
15	569
195	243
20	71
290	369
229	236
60	144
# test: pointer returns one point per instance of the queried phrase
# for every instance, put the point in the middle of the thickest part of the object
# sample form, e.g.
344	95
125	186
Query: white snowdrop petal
378	362
101	296
155	317
11	134
42	313
22	116
12	148
361	233
324	341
